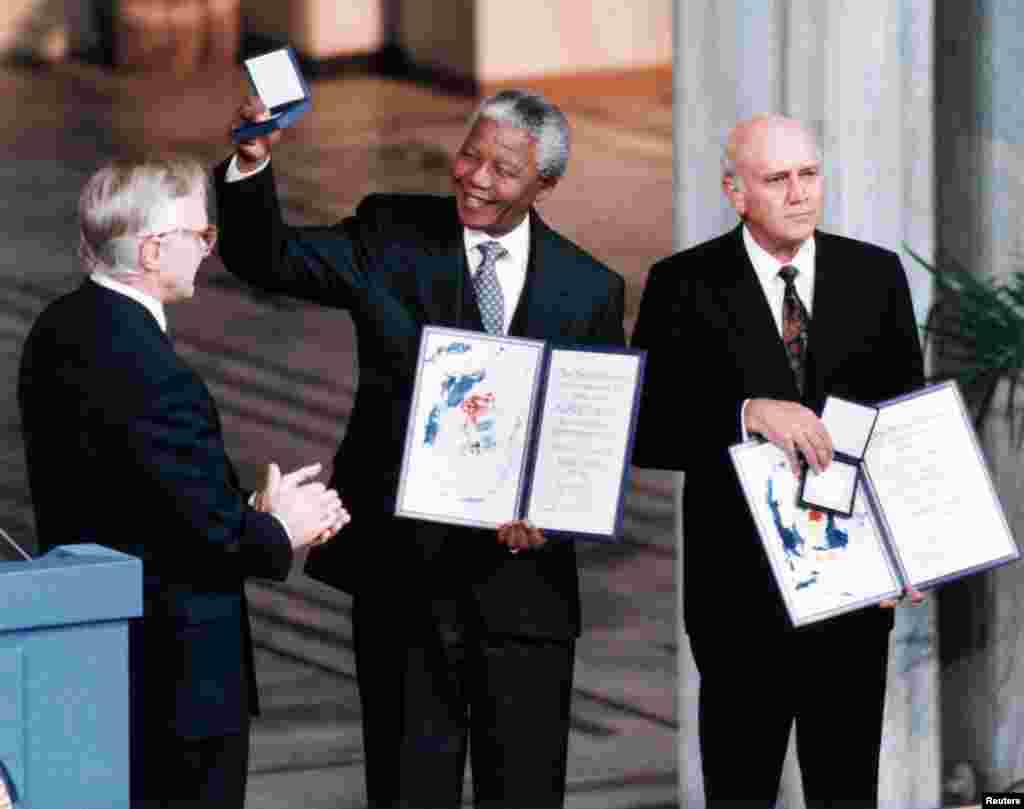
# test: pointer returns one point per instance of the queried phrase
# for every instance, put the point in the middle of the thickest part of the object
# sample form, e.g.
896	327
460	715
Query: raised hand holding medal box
278	81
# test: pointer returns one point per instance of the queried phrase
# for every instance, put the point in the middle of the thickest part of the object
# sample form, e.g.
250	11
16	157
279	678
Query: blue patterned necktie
488	291
794	326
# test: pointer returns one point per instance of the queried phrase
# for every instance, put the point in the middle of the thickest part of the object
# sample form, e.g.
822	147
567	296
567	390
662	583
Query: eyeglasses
207	237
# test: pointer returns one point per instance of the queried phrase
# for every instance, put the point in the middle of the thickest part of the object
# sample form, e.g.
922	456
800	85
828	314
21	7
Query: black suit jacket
124	449
712	343
396	265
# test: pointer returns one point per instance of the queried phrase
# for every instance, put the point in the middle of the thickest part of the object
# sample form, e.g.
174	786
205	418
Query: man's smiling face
496	178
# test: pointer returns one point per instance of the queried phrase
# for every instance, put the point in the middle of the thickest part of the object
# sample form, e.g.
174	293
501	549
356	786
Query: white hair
545	122
126	199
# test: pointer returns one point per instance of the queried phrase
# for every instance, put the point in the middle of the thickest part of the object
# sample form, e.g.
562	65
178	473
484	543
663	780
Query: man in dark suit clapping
747	334
124	449
459	633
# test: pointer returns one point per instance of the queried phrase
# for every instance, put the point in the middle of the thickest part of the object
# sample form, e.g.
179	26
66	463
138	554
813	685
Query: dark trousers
169	771
830	680
434	685
194	773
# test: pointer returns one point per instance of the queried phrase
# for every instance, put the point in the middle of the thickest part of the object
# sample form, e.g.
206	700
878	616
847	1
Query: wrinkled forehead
508	141
775	145
189	211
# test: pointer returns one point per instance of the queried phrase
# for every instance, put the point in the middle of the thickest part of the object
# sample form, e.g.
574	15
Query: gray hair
126	199
545	122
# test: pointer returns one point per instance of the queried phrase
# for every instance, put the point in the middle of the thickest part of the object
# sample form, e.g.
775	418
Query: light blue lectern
64	677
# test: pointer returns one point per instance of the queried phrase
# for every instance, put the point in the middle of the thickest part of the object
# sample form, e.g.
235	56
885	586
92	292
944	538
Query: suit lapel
442	275
543	288
754	334
443	272
831	304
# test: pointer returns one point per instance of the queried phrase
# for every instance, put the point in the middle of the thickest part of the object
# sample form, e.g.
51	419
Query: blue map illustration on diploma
467	426
824	556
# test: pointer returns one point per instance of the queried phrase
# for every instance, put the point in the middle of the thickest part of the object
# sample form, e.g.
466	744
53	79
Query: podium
64	677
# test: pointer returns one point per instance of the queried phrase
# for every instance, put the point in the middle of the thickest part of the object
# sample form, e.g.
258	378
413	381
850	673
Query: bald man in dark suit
747	334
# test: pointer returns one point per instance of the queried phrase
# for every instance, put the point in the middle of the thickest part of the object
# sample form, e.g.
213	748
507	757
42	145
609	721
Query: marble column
861	74
492	43
980	158
319	29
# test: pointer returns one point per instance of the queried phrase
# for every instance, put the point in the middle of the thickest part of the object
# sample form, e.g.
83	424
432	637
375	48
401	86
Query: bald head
771	174
760	132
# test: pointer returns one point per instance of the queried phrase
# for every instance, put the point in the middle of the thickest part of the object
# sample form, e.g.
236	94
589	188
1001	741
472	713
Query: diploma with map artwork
505	428
924	511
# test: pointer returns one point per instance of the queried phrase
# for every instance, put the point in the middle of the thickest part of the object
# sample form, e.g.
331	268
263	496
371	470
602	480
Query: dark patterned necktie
488	291
795	321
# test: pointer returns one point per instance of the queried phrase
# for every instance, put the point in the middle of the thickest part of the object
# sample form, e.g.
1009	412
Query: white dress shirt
233	175
511	267
767	267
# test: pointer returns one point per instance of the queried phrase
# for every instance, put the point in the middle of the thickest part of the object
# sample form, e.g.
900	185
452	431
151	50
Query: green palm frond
977	325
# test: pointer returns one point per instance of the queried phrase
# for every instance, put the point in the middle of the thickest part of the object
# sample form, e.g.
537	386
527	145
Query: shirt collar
767	266
516	241
153	305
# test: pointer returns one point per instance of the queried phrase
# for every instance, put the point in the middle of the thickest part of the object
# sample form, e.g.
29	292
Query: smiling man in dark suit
459	633
124	448
747	334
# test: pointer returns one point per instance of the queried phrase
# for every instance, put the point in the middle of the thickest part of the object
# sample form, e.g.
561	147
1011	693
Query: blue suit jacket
396	265
124	448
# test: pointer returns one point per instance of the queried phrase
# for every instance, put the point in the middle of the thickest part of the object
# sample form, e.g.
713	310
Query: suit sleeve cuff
284	526
233	175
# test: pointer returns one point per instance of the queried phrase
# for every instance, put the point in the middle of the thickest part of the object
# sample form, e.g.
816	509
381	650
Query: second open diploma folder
506	428
924	512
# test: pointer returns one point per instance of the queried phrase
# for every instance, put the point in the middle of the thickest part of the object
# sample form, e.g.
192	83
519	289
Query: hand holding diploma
794	429
520	535
312	512
916	597
920	486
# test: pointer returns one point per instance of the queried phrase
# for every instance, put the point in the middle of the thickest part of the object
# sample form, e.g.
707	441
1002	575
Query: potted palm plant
976	329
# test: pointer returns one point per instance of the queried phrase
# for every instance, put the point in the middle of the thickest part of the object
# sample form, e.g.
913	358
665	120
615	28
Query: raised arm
325	265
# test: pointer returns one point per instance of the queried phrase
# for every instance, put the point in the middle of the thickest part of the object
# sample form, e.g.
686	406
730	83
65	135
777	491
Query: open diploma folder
277	80
504	428
924	512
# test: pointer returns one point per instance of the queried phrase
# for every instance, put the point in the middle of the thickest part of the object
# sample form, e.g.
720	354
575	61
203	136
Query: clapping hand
312	512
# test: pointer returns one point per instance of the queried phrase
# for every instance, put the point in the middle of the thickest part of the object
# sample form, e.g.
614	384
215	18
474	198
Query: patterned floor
283	374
